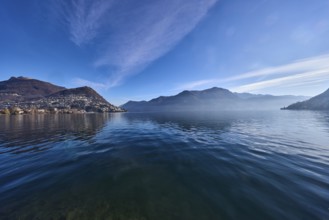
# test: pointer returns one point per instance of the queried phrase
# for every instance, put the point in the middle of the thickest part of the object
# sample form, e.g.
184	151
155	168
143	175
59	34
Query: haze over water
220	165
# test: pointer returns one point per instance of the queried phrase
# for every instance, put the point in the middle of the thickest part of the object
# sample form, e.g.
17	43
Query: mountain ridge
23	88
211	99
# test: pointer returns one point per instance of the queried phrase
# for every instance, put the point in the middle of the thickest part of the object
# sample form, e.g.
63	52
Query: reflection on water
23	133
263	165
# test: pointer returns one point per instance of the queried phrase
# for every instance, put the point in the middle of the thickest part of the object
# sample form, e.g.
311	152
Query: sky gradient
138	50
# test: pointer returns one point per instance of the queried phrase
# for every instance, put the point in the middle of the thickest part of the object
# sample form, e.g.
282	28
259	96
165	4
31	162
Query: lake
136	166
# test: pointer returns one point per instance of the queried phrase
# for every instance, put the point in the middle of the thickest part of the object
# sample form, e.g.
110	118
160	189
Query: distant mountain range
212	99
319	102
29	93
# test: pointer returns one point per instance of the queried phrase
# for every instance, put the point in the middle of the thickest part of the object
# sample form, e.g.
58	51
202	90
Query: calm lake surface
238	165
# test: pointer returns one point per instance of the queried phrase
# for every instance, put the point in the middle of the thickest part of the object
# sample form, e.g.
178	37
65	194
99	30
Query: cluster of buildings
68	104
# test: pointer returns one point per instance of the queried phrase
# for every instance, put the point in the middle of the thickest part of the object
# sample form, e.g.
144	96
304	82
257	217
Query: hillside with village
23	95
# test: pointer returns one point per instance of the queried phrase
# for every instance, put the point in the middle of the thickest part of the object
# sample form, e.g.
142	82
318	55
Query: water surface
238	165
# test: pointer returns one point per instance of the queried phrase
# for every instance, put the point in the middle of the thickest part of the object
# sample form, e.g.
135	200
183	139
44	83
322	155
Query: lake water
126	166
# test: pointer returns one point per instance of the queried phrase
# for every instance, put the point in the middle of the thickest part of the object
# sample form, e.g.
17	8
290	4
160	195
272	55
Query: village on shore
72	104
15	110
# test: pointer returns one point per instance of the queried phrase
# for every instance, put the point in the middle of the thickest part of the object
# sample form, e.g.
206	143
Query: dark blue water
240	165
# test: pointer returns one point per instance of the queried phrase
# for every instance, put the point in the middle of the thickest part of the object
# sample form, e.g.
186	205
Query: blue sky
138	50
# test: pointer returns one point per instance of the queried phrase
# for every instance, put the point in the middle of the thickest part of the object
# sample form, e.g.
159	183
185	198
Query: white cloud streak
298	73
303	65
131	35
312	77
196	84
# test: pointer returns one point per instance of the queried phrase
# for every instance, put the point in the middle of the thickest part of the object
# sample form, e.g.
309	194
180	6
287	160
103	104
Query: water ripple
263	165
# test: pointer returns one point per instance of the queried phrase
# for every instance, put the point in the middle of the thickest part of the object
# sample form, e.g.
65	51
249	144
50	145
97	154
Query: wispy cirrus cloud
130	35
298	66
310	71
84	19
302	79
85	22
196	84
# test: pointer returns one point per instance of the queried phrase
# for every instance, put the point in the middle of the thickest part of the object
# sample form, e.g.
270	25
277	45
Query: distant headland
319	102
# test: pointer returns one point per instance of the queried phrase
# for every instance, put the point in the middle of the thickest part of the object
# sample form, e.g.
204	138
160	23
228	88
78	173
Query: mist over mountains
212	99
